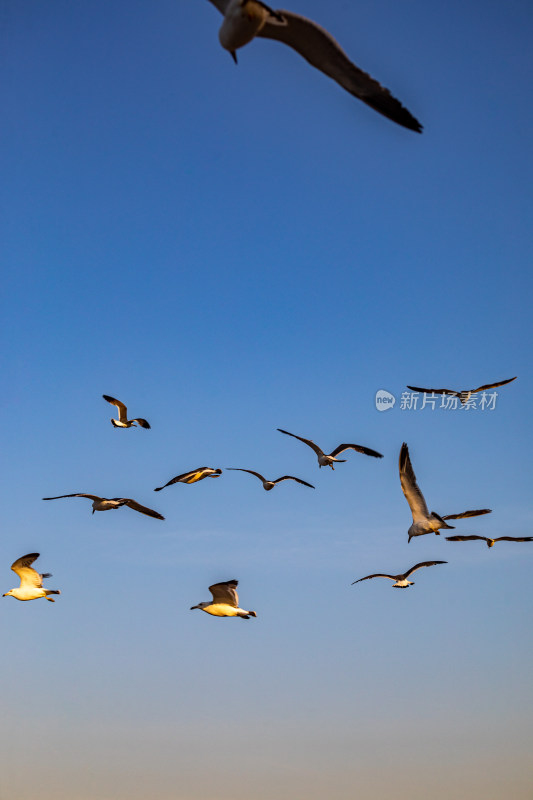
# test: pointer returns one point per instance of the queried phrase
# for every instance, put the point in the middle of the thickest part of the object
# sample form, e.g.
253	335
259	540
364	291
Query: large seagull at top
245	19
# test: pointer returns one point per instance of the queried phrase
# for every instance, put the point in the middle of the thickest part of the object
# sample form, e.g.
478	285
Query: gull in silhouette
245	19
464	395
123	421
193	476
268	485
31	582
327	461
423	521
225	601
401	580
490	542
108	503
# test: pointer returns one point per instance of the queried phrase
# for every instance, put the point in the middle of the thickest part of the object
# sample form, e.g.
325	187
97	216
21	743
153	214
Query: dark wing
184	478
434	391
225	592
514	539
239	469
465	538
422	564
142	422
308	442
412	493
90	496
321	50
378	575
477	513
359	447
24	561
493	385
292	478
138	507
122	410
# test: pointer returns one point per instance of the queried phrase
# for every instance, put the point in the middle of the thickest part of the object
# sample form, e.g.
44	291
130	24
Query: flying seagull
123	421
31	582
245	19
108	503
327	461
423	521
268	485
225	601
490	542
193	476
401	580
464	395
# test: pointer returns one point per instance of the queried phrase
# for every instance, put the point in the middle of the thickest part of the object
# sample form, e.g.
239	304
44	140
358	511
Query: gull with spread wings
109	503
268	485
327	460
123	421
489	542
464	395
423	521
31	581
245	19
225	601
193	476
401	580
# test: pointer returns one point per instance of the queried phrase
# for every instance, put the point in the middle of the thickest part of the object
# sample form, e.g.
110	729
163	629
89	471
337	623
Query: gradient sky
230	250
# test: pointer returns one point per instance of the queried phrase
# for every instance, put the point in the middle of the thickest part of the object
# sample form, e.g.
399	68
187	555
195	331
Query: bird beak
234	56
4	595
192	608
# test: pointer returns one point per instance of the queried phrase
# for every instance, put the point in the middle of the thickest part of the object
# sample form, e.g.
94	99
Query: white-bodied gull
225	601
464	395
245	19
31	582
401	580
109	503
193	476
423	520
123	421
489	542
268	485
327	460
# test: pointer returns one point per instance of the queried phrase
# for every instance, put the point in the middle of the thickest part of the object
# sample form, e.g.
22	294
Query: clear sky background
230	250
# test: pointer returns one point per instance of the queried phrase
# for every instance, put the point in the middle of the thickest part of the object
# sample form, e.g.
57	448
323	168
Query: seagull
245	19
327	461
193	476
464	395
31	582
423	521
490	542
268	485
401	580
123	421
107	503
225	601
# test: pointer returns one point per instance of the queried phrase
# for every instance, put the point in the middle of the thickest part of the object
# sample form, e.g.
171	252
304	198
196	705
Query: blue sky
231	250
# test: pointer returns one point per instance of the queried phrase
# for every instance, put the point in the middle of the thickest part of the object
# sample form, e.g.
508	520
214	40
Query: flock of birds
225	602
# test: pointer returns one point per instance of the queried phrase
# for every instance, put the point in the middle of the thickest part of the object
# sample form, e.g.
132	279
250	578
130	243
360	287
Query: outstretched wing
187	477
28	576
360	449
240	469
434	391
292	478
410	488
122	410
225	592
477	513
470	538
142	509
89	496
308	442
493	385
422	564
514	539
322	51
377	575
